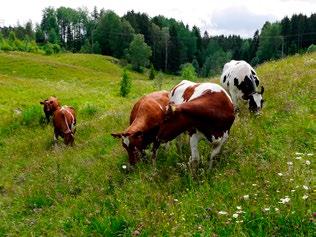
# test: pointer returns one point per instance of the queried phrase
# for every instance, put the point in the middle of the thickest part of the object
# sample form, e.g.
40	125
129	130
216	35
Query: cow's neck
173	127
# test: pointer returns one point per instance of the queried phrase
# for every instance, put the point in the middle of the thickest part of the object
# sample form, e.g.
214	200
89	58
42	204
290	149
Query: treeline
171	43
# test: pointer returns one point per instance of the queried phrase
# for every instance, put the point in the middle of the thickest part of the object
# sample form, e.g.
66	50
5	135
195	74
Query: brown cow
145	119
64	120
50	105
208	112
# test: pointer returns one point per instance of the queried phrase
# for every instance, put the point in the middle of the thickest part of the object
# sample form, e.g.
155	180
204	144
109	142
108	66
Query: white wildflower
277	191
276	209
266	209
238	207
289	163
284	200
305	187
240	212
298	153
305	197
291	180
124	167
240	221
254	185
222	213
307	162
246	197
235	215
310	154
175	200
293	190
280	174
298	158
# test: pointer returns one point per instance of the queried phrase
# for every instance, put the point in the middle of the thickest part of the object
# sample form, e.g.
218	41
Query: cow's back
150	108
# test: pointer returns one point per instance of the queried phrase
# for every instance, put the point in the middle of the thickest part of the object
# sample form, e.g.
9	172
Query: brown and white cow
49	106
145	119
202	109
64	121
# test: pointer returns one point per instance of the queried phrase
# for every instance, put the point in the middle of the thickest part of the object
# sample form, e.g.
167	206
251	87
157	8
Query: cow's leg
154	150
194	142
55	137
218	145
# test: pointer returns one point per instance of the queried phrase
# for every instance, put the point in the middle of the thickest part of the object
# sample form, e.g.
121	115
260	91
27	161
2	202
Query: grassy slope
82	190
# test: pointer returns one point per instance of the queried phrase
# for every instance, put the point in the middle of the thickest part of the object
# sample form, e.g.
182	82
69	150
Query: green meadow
263	184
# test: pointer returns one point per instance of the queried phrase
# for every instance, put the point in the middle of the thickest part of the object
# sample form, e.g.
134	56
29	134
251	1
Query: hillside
264	172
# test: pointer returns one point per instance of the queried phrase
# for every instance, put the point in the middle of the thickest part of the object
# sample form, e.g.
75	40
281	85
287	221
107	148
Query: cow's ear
262	90
41	102
116	135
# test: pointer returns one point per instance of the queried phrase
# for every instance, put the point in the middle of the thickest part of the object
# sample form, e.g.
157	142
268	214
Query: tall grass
261	186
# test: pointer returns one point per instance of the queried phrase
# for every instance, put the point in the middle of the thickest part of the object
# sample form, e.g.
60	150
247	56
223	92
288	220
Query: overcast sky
241	17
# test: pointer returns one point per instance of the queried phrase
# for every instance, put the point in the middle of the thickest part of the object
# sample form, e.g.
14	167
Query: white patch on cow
257	98
125	140
177	96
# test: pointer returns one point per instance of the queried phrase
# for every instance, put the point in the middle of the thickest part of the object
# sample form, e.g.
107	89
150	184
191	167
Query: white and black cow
241	81
202	109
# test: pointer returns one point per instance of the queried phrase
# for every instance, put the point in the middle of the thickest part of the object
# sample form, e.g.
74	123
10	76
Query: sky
240	17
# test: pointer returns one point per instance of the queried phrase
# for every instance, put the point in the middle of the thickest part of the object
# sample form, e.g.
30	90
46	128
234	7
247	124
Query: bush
188	72
152	72
5	46
311	48
125	84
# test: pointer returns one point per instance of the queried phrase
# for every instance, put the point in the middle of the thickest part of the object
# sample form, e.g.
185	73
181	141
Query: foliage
152	72
270	42
158	81
311	48
125	85
188	72
172	42
138	53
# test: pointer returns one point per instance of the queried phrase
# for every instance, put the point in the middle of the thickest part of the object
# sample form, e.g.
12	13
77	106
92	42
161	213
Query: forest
164	43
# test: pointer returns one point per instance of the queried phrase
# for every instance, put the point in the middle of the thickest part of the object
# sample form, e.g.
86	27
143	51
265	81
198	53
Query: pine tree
126	84
152	72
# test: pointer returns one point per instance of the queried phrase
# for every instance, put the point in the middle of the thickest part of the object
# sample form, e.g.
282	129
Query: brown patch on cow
212	114
145	118
189	92
63	119
173	90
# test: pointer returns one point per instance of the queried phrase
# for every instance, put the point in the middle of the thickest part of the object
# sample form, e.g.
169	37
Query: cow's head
132	142
255	101
50	106
69	138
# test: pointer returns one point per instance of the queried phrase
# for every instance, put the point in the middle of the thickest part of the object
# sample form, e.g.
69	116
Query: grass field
262	186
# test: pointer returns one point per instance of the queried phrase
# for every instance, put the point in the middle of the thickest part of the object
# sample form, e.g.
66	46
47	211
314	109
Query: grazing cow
145	119
64	120
202	109
50	105
241	81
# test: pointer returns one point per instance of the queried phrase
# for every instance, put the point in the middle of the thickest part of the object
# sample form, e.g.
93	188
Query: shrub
48	49
125	84
188	72
152	72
